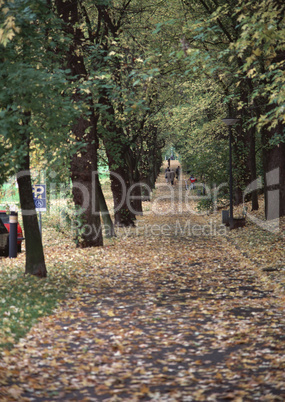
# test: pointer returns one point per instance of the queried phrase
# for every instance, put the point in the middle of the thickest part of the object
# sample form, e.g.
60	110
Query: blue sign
39	194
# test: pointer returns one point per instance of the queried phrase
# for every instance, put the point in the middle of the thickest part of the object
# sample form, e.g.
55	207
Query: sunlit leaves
260	45
8	27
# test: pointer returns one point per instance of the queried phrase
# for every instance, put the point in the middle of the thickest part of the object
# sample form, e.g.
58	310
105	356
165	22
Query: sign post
40	200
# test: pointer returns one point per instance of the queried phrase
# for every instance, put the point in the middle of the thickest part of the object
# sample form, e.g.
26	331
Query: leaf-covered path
170	311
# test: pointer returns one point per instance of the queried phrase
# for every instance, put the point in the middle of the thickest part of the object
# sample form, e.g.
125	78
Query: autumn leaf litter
165	316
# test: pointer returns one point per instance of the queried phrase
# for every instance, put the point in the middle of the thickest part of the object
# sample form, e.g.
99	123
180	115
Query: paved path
170	312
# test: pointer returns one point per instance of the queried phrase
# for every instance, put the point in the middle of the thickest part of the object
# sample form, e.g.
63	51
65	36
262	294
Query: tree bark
35	261
249	140
251	164
274	161
120	174
85	186
274	175
120	186
84	163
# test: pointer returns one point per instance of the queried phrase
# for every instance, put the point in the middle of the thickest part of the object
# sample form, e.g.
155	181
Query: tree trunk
120	174
253	174
119	186
84	162
85	186
35	261
274	169
241	171
134	179
136	202
274	161
251	163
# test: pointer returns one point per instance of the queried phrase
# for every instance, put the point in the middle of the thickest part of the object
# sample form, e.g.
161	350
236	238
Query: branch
88	22
218	20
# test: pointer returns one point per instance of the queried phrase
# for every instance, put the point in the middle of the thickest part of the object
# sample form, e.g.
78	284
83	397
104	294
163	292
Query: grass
24	299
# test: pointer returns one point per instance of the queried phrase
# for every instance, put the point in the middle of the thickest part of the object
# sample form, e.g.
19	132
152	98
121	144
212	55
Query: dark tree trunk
85	186
274	160
274	175
135	194
151	161
84	162
119	169
35	261
136	201
241	170
251	163
250	143
252	167
245	147
119	186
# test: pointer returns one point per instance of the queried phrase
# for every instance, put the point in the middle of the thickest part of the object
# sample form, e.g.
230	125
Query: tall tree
241	45
84	162
35	262
262	51
33	108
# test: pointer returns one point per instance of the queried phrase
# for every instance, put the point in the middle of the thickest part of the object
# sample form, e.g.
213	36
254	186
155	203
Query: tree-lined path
169	311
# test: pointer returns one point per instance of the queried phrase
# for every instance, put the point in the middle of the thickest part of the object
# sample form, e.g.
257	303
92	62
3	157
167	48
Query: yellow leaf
257	52
99	341
144	389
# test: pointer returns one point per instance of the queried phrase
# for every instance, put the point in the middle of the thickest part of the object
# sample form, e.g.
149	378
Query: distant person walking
167	175
192	182
169	162
178	172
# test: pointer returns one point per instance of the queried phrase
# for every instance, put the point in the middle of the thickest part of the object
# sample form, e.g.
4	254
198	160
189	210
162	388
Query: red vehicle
4	240
4	216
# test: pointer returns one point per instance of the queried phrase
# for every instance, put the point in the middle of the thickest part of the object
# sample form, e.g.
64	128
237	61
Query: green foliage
206	205
173	66
196	131
261	48
34	84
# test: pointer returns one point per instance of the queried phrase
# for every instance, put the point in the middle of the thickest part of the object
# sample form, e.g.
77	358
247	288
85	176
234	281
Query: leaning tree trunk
35	261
